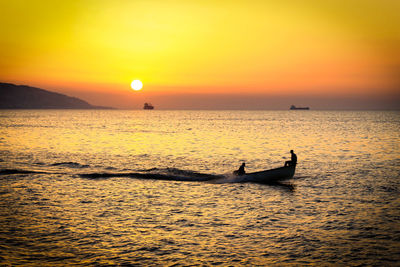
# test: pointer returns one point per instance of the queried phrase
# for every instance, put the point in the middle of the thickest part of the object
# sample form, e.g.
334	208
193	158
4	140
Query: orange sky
320	53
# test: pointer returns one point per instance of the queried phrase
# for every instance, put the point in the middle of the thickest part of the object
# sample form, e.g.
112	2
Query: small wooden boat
269	176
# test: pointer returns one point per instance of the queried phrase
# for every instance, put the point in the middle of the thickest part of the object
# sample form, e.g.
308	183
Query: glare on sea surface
136	85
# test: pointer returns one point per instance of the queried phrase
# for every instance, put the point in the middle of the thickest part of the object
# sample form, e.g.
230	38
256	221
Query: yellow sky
283	47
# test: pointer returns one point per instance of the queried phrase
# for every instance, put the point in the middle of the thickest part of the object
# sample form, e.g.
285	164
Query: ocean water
129	187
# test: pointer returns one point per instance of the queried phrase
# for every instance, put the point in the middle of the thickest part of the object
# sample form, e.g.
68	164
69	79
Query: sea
155	188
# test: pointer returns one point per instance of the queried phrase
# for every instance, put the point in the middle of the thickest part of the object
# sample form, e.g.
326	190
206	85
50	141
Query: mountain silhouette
26	97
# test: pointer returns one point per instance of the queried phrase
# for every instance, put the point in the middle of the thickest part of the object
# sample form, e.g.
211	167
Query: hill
25	97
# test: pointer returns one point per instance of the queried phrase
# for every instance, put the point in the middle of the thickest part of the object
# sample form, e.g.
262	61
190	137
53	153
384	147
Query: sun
136	85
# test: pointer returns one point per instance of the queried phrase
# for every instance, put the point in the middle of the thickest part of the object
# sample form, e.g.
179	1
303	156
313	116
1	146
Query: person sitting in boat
241	170
293	160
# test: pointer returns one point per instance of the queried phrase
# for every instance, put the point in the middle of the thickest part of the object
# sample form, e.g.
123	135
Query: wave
170	174
185	173
17	171
70	164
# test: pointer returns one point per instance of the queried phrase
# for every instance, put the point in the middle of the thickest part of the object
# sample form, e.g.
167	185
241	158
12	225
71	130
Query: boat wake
165	174
171	174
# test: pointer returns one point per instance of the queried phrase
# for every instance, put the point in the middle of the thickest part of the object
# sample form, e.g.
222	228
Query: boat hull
270	176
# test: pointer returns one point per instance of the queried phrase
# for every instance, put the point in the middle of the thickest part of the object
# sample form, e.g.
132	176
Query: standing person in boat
241	170
293	160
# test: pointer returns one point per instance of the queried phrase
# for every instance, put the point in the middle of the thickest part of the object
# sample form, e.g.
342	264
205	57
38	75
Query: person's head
243	164
291	151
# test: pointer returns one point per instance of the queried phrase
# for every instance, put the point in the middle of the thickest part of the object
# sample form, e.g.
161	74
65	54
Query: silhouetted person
292	161
240	171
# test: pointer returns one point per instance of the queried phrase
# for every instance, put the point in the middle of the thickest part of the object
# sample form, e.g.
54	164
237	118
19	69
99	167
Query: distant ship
293	107
148	106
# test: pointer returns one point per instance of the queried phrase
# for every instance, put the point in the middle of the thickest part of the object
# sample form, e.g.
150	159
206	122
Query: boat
148	106
293	107
269	176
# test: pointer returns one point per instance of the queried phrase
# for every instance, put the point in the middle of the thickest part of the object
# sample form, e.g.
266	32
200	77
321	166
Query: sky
326	54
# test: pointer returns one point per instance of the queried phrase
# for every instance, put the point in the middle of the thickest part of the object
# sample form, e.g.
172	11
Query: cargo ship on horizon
293	107
148	106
